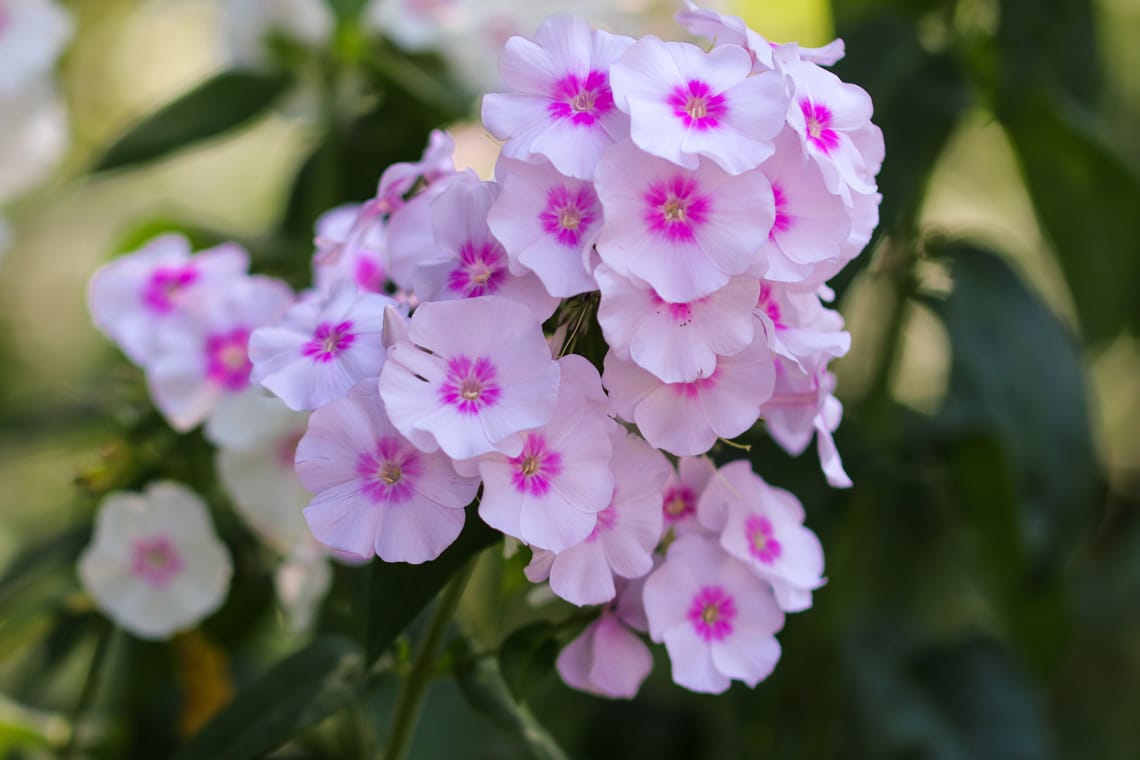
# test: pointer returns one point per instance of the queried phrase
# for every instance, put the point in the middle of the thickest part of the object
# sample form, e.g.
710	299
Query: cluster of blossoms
33	34
686	206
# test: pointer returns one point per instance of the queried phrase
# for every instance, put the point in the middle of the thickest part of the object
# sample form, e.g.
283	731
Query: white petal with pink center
687	418
561	105
547	223
799	327
812	226
684	103
683	491
677	342
469	261
763	527
717	619
685	232
201	360
550	493
833	121
155	565
627	530
321	347
131	297
374	492
470	376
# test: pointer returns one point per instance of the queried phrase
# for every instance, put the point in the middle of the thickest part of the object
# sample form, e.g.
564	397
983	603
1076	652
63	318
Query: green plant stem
90	686
415	686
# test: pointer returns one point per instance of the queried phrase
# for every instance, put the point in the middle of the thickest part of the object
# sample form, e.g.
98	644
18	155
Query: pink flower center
768	304
693	390
166	283
583	101
712	612
155	560
481	270
328	341
680	313
607	519
817	118
534	467
697	106
568	214
470	384
227	359
679	502
675	207
369	275
783	221
761	544
388	474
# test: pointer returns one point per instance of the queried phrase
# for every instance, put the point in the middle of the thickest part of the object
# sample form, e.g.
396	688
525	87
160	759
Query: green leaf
946	701
400	591
1016	374
37	559
1030	33
298	692
1086	200
218	105
482	684
526	658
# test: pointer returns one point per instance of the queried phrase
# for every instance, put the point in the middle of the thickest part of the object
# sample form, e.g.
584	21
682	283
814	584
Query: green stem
415	687
90	686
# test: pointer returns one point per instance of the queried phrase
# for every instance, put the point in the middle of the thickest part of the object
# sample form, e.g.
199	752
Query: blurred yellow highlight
807	22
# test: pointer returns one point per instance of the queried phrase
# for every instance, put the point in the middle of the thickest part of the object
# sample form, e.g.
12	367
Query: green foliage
214	107
298	692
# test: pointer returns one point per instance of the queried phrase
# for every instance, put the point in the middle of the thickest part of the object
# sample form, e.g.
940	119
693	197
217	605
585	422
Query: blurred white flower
33	34
251	24
155	565
35	134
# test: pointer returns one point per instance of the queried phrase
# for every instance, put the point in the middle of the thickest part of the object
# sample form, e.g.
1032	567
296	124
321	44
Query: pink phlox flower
717	619
155	565
687	418
437	163
470	376
560	104
677	342
549	494
763	527
627	530
360	252
682	493
799	327
374	492
201	362
685	232
809	238
724	29
801	406
411	232
607	658
547	223
685	103
833	121
132	297
469	261
322	346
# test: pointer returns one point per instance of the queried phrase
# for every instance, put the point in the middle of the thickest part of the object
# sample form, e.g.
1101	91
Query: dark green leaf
1087	201
1030	39
526	658
298	692
482	684
400	591
965	700
1016	374
218	105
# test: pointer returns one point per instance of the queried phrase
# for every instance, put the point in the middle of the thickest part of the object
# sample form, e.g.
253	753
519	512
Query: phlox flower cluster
564	345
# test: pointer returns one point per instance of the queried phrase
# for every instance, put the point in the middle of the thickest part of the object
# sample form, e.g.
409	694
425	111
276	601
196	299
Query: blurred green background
984	573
